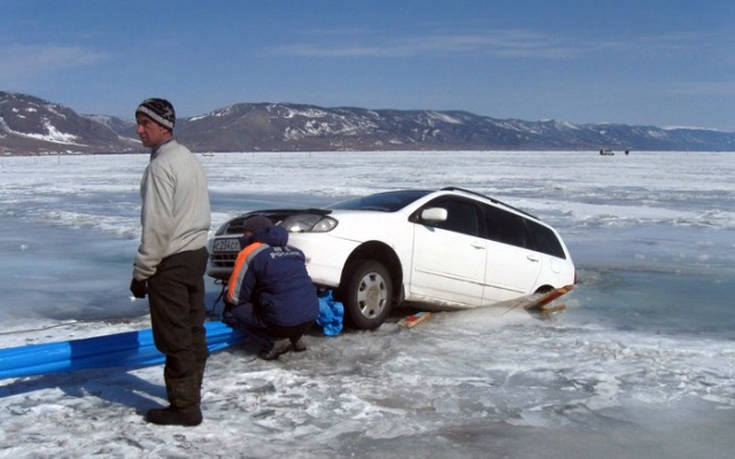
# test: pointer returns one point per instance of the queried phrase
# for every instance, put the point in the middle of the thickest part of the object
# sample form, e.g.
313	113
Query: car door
512	268
448	257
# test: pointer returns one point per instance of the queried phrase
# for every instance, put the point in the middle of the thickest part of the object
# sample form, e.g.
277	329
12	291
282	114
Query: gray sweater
175	216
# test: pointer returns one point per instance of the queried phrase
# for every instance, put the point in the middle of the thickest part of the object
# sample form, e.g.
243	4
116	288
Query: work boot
184	396
298	344
189	417
279	347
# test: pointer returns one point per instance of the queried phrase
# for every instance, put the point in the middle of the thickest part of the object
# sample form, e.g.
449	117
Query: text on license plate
227	245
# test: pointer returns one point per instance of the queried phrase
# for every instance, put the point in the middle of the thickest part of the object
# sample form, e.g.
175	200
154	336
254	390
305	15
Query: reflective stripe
242	263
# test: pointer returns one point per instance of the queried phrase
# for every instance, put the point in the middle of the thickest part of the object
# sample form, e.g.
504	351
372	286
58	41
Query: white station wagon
445	249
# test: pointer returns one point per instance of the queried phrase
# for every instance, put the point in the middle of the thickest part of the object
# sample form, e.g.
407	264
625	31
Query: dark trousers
245	318
176	300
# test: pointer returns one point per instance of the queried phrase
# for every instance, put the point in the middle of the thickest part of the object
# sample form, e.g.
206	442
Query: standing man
171	260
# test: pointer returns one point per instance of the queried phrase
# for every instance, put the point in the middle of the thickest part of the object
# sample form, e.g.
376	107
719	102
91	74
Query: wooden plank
530	304
414	319
546	312
553	309
548	297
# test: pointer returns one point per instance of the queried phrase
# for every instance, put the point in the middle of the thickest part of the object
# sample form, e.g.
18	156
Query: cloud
504	43
29	60
500	43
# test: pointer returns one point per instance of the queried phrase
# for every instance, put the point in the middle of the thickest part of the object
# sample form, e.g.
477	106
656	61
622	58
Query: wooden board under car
541	303
546	298
414	319
532	304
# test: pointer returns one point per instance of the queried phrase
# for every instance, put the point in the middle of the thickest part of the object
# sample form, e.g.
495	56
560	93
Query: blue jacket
272	276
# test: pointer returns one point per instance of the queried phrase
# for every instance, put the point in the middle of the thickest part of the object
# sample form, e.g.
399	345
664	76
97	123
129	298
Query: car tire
368	295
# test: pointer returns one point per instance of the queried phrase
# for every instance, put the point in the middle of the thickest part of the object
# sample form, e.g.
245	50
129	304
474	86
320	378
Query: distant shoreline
211	153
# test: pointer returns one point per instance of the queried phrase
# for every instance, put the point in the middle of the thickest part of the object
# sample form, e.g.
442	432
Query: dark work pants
245	318
176	300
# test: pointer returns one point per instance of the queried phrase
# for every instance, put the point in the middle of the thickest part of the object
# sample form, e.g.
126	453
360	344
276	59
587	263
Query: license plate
227	245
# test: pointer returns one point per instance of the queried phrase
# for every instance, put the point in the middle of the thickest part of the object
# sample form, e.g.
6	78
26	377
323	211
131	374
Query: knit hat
256	222
160	110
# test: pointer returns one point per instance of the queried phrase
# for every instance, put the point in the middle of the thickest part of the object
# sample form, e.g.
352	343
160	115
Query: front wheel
368	295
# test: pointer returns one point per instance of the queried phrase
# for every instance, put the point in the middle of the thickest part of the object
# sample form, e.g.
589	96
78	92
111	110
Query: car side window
505	227
544	240
462	215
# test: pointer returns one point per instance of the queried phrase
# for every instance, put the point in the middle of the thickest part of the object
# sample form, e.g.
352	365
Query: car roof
453	190
493	200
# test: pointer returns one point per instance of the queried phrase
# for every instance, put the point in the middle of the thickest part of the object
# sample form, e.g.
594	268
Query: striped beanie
160	110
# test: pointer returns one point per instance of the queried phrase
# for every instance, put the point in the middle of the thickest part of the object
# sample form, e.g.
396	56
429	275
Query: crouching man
269	293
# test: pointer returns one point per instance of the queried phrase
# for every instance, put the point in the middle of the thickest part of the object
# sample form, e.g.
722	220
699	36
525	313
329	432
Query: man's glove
139	289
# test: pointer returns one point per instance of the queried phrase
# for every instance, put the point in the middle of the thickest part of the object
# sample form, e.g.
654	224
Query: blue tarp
331	313
128	350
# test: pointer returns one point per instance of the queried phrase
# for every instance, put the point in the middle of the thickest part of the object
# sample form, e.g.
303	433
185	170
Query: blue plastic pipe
127	350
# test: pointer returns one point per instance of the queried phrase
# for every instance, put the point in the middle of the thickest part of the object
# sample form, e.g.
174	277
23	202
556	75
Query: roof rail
455	188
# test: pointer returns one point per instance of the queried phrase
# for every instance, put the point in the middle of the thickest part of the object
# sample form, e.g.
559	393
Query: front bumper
326	256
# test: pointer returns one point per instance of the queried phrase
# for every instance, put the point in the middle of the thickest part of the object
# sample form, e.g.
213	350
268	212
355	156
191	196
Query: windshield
390	201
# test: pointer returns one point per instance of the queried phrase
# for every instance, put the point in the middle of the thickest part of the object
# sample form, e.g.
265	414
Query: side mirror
434	214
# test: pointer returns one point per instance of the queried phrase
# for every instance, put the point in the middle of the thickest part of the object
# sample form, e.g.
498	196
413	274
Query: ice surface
639	365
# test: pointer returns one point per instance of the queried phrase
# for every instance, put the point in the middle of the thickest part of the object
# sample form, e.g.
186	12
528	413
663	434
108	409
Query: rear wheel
368	294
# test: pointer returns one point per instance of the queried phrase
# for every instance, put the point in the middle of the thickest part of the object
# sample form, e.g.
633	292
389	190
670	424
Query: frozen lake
640	364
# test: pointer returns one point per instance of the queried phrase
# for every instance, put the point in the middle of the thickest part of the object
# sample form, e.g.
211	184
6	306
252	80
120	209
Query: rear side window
505	227
544	240
462	215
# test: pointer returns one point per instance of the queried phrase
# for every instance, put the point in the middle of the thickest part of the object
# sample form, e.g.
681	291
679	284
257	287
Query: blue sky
664	63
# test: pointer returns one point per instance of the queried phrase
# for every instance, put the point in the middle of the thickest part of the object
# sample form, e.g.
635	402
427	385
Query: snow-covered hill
29	125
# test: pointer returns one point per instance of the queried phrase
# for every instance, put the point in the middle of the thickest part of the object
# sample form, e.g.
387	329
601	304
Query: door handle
477	246
532	258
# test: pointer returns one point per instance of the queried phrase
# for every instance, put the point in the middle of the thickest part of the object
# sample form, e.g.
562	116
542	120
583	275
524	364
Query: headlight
309	223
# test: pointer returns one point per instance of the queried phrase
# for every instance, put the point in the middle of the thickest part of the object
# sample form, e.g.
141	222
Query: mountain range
32	126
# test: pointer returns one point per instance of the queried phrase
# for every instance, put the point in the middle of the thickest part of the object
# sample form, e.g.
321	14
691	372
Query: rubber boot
279	347
298	345
184	396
